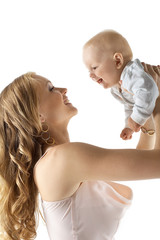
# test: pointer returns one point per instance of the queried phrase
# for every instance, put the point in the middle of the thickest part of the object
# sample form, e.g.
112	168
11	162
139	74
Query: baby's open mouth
100	80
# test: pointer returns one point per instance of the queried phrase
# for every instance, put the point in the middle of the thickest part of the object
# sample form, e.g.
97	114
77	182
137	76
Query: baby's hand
133	125
126	133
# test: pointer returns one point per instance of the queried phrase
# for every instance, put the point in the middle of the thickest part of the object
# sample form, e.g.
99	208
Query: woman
36	155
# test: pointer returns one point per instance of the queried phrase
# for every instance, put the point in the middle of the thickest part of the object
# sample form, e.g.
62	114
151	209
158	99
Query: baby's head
105	55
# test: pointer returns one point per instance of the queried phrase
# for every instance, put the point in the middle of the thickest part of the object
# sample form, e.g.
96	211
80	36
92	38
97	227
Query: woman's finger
157	69
151	70
145	66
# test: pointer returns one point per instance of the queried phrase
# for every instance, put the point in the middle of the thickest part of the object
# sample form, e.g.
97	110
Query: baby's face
101	66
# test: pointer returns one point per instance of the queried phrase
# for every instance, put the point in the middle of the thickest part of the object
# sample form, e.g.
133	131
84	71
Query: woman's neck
60	136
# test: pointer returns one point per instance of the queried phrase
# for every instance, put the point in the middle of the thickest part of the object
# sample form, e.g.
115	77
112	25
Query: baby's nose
93	76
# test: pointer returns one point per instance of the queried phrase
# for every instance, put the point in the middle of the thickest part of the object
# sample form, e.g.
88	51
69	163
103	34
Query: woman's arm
87	162
145	141
156	114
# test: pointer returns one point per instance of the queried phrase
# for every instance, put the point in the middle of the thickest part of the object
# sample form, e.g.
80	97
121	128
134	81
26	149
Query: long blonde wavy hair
19	151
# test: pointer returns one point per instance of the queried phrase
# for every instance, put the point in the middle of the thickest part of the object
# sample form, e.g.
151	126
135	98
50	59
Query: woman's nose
63	90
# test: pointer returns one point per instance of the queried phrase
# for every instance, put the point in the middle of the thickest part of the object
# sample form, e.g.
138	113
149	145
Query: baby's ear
118	58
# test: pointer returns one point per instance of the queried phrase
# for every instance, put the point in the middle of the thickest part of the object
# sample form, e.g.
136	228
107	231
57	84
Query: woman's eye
51	89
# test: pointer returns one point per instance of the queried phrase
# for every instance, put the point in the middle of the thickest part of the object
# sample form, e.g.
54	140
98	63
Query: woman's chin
73	110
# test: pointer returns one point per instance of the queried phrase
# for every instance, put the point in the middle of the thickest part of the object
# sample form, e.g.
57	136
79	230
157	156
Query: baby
108	57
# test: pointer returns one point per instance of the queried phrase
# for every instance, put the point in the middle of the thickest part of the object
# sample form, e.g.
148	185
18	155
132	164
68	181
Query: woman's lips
66	101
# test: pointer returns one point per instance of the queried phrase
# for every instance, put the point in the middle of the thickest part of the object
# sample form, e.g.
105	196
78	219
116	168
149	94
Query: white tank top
91	213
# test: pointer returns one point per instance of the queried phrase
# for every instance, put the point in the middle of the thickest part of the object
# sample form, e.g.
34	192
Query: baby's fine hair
110	40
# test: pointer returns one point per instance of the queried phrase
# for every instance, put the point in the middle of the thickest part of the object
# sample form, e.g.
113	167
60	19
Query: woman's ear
42	118
119	60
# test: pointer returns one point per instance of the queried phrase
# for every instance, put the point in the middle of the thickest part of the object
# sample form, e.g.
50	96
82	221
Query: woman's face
54	106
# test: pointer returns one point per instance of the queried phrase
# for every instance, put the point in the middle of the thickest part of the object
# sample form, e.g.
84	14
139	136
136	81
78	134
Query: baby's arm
133	125
127	132
145	93
154	71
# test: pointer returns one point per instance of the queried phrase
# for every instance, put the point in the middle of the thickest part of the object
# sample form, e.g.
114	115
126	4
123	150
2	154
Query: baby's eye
94	68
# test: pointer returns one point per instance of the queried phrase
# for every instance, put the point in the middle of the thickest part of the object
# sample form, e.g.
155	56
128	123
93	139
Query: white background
46	36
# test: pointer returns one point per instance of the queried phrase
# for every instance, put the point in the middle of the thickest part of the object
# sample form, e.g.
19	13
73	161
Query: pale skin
59	173
105	67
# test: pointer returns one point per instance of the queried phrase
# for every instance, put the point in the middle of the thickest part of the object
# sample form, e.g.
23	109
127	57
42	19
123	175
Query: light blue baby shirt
139	101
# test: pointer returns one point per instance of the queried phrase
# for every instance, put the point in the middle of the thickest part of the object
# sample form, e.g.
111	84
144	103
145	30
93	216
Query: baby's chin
105	85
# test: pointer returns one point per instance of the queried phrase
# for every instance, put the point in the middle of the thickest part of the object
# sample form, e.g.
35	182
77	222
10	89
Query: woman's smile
66	101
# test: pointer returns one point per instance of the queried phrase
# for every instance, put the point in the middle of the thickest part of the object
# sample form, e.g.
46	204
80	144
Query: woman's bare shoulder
52	174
